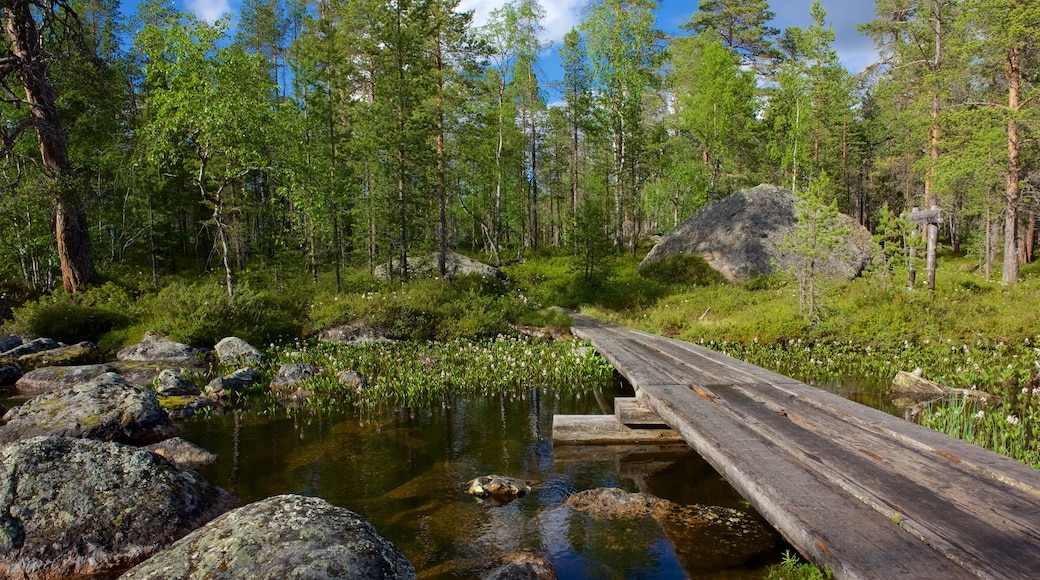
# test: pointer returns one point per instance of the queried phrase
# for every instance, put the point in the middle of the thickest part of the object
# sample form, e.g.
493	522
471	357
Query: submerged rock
704	537
287	536
47	379
183	453
106	408
524	566
76	508
233	351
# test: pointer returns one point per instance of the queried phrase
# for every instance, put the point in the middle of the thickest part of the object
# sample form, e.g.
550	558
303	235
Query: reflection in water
404	472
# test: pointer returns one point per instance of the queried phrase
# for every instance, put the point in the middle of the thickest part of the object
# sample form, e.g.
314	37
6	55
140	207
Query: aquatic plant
426	373
1009	426
793	568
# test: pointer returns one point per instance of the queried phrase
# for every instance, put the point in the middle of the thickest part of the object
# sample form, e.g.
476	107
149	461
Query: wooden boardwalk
857	490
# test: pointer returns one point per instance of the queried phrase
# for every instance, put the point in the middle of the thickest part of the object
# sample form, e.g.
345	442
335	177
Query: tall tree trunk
1014	169
71	229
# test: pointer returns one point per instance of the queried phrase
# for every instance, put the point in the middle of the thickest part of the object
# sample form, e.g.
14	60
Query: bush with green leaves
685	269
71	318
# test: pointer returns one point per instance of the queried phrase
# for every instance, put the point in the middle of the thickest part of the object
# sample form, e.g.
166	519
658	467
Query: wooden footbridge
862	492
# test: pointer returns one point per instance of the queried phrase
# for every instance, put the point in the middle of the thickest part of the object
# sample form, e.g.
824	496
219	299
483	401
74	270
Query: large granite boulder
738	236
155	348
428	265
233	351
287	536
106	408
47	379
76	508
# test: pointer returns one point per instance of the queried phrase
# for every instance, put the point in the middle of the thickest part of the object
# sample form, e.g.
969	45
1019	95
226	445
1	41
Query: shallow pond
404	472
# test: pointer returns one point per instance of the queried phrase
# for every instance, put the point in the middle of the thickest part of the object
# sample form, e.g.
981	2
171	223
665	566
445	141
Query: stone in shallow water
286	536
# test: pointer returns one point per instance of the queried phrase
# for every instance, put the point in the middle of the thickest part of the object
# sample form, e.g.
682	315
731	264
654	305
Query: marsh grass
432	373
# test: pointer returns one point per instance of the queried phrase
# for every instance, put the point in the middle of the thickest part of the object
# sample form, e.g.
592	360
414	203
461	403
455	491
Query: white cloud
208	10
560	15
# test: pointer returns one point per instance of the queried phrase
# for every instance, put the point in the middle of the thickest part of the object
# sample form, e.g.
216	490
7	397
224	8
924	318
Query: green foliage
71	318
682	269
793	568
1008	426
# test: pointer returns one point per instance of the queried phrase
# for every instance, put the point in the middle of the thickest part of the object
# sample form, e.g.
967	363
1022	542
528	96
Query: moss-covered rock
76	508
287	536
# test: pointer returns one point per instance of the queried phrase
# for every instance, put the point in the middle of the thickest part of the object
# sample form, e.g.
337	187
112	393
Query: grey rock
33	346
171	383
146	373
291	374
77	354
183	453
106	408
738	236
455	264
47	379
287	536
10	373
154	348
352	334
76	508
524	566
232	385
352	379
233	351
9	342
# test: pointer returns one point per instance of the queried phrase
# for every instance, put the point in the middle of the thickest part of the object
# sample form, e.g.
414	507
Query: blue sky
855	50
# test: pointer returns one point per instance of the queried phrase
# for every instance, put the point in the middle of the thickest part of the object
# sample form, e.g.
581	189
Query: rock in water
287	536
154	348
183	453
106	408
76	508
47	379
499	488
738	236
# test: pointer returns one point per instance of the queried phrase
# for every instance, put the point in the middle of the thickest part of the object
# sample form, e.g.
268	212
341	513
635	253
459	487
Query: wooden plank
632	412
853	488
605	430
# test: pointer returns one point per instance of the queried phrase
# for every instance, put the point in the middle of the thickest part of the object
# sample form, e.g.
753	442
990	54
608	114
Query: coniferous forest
347	134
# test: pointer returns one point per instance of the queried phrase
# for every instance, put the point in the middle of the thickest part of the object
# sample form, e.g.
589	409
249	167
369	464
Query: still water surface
404	472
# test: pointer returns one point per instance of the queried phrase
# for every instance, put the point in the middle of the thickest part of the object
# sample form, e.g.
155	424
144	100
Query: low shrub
70	318
685	269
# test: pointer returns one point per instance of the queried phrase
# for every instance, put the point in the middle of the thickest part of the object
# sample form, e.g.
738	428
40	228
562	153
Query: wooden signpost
928	219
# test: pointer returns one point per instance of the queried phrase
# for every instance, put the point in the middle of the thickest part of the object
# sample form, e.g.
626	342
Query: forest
323	135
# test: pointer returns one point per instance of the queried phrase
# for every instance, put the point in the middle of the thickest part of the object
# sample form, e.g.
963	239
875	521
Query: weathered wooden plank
605	430
834	476
632	412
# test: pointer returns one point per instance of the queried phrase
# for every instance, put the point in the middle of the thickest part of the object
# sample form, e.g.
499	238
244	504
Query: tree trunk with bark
29	62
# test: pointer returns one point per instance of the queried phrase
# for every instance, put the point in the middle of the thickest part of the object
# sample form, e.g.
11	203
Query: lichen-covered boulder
429	265
183	453
287	536
33	346
740	236
106	408
77	508
232	385
47	379
187	406
155	348
233	351
81	353
171	383
290	374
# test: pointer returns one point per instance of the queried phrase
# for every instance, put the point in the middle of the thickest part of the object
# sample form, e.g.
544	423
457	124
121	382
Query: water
404	472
